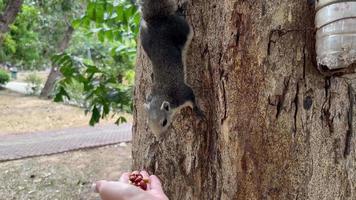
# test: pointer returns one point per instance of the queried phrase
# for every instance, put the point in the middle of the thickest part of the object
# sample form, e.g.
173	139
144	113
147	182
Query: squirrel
165	36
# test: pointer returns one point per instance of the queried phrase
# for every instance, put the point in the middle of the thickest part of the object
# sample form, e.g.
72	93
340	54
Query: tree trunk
13	7
55	74
276	128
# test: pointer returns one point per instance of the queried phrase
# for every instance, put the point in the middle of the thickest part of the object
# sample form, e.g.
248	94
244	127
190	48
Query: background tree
55	74
276	128
21	37
45	34
8	16
67	11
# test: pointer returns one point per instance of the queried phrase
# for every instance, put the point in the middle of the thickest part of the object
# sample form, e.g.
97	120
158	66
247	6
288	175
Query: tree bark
13	7
276	128
55	74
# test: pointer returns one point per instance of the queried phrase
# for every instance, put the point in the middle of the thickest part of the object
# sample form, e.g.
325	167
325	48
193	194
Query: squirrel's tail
157	8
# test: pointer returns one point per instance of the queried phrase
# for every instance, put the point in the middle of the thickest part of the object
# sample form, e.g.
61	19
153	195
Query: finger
125	177
117	190
146	176
97	185
155	183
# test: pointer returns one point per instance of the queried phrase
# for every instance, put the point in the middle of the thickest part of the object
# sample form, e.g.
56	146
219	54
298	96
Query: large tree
275	128
55	74
60	15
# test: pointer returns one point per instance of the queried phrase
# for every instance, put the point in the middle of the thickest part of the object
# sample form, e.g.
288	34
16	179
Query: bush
4	77
35	83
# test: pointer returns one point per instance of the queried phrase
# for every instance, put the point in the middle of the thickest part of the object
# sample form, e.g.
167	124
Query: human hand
123	190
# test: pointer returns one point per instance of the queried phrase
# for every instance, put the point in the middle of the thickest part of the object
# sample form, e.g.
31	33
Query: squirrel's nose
164	123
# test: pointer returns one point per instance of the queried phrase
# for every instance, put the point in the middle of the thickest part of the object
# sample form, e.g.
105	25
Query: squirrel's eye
164	123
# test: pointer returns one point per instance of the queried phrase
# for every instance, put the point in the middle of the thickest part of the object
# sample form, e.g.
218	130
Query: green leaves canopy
107	75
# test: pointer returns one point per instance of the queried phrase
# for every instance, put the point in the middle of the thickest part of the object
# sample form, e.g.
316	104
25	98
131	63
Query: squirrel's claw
199	113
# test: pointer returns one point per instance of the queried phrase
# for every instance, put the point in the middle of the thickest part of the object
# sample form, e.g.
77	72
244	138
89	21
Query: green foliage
37	31
21	44
113	20
56	16
106	72
35	83
4	77
104	91
98	66
2	6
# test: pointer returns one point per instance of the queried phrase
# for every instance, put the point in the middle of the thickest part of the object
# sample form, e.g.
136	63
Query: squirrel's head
159	114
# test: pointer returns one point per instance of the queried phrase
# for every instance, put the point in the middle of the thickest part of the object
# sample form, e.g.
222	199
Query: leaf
91	69
120	120
67	70
109	35
120	13
101	36
95	116
56	57
99	12
106	109
60	94
90	12
76	23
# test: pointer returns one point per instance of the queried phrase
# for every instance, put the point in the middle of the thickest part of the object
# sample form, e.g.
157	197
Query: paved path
15	147
19	87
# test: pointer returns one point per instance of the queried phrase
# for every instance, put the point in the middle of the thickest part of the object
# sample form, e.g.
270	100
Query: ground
65	176
23	114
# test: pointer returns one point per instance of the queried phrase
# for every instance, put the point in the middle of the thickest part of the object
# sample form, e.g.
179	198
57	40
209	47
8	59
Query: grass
23	114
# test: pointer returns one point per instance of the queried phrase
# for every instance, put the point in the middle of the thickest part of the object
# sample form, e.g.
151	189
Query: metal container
336	33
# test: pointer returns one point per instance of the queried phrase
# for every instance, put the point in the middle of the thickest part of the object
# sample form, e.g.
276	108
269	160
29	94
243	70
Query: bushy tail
156	8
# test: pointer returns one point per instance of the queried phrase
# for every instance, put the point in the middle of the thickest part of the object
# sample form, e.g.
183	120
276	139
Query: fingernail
93	188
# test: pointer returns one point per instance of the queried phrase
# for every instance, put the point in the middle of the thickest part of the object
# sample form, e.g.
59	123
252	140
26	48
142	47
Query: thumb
156	183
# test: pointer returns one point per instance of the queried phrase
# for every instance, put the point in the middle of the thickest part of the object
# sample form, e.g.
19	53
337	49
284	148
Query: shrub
35	83
4	77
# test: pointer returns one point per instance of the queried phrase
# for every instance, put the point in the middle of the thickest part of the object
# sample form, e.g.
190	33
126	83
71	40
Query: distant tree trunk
55	74
276	128
13	7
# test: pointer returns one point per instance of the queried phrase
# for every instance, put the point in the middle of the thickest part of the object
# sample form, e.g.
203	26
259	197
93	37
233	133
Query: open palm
123	190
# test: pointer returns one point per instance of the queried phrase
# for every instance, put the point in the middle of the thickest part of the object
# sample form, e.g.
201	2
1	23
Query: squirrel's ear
166	106
149	98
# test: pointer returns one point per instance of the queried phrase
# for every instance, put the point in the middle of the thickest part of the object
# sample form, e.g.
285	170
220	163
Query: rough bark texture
13	7
55	73
276	128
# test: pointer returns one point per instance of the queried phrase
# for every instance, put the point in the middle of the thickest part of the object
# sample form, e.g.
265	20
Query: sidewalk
15	147
19	87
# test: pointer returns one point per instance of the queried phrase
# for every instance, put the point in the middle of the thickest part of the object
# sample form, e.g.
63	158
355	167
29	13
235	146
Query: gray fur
164	36
154	8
